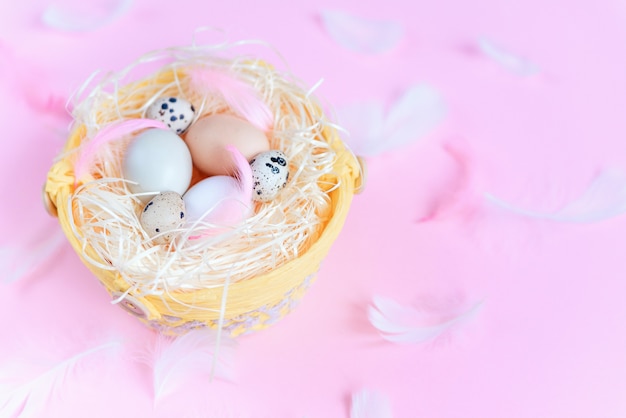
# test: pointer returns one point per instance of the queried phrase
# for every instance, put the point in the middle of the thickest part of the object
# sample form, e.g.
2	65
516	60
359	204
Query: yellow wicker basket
239	306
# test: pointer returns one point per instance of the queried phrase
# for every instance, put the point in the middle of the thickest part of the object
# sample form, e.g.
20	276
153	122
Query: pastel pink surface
549	339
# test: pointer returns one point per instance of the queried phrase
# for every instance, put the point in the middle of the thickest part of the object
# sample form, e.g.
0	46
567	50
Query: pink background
550	338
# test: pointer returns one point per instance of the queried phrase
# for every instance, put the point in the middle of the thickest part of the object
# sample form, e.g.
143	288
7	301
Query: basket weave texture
238	307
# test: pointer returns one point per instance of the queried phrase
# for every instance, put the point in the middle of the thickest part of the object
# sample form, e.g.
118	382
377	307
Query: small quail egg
162	216
177	113
270	172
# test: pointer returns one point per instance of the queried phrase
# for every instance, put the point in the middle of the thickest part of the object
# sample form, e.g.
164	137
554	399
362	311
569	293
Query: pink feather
242	98
447	186
243	173
107	134
32	83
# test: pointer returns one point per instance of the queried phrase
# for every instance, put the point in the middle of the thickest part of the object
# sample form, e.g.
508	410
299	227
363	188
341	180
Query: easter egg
175	112
218	200
157	160
208	137
270	172
162	216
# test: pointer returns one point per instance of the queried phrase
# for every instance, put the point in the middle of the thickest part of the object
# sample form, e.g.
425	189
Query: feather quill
111	132
402	324
605	198
414	115
242	98
362	35
368	404
176	361
29	398
243	173
506	59
21	261
82	16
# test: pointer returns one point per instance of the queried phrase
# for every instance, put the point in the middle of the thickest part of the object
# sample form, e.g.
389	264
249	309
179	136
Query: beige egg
208	137
162	216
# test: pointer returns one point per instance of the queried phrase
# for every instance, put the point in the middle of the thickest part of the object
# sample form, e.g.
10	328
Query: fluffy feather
368	404
175	361
242	98
506	59
605	198
111	132
28	81
372	132
23	260
29	398
402	324
47	102
81	16
362	35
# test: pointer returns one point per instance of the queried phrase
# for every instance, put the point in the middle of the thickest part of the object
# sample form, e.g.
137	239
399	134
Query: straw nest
185	283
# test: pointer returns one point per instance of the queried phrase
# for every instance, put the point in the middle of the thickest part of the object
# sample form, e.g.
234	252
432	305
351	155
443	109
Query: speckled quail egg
270	173
162	216
176	112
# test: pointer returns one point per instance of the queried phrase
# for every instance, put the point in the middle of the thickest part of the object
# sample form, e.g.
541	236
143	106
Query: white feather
605	198
22	260
80	16
29	398
415	114
403	324
368	404
506	59
362	35
178	360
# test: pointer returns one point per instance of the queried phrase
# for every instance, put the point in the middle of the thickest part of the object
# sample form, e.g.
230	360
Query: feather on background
177	361
512	62
29	398
604	198
79	16
403	324
20	260
362	35
372	131
370	404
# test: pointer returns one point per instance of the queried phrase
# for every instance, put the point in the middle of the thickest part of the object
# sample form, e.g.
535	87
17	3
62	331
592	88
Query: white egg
270	172
157	160
175	112
217	200
162	216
